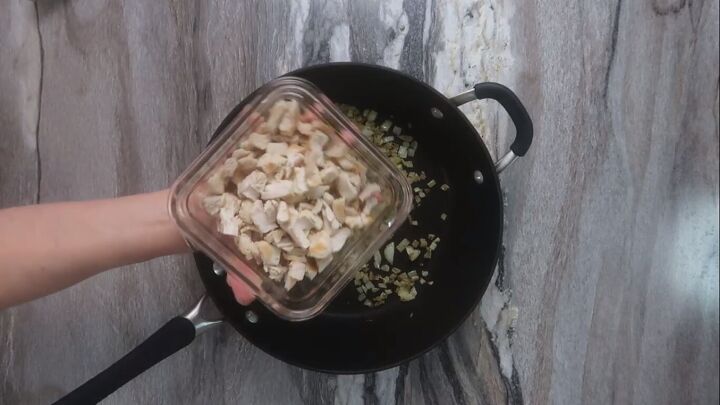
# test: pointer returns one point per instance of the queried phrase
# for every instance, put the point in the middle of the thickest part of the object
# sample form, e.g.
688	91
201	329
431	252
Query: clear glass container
309	296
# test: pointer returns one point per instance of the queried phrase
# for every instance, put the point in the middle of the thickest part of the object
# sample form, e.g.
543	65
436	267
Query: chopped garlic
389	252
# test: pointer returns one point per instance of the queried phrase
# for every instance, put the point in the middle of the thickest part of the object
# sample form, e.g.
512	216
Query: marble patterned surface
611	247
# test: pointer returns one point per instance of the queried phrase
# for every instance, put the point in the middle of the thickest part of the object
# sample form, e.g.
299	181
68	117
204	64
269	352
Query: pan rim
206	274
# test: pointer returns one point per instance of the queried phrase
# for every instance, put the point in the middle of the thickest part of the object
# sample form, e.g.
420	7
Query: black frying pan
355	338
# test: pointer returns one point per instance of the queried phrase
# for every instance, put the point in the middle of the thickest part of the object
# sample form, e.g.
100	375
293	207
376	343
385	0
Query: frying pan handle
518	114
171	337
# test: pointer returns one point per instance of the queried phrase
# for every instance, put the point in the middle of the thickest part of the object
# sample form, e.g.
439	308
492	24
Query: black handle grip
170	338
518	114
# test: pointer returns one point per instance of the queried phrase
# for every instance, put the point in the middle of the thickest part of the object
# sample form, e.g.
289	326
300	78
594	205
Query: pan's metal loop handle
518	114
199	322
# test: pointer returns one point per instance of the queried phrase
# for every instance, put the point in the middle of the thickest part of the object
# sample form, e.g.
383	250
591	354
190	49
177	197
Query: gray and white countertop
609	287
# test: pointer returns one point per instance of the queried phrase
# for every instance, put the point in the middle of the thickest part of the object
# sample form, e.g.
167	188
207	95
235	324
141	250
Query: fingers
243	294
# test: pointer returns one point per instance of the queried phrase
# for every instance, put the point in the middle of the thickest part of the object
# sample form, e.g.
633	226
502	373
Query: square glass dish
291	198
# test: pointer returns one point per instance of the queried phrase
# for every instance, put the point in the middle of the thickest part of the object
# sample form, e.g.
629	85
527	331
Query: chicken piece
285	244
289	283
305	128
260	218
289	120
339	238
298	229
270	163
274	237
315	220
276	113
318	140
290	257
311	270
227	170
271	207
216	183
240	153
345	187
229	224
337	149
348	164
370	204
297	270
252	185
269	254
283	216
277	189
328	198
300	185
212	204
338	206
245	211
370	190
323	263
295	155
320	247
317	207
277	148
245	165
246	246
357	221
329	174
329	217
258	141
275	273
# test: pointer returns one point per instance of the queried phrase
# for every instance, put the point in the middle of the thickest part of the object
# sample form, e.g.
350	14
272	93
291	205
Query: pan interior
349	337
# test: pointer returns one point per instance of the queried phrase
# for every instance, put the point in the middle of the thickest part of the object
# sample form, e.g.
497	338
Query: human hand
243	294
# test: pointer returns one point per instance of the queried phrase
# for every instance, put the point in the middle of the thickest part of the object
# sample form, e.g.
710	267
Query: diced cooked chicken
323	263
297	270
298	229
246	246
295	156
337	149
269	254
369	190
330	218
277	148
314	219
311	270
305	128
276	273
320	247
212	204
260	218
291	195
276	113
216	183
283	216
317	192
329	174
258	141
229	223
288	123
246	164
277	189
271	163
252	185
274	236
338	207
345	187
339	238
356	221
285	244
245	211
299	185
